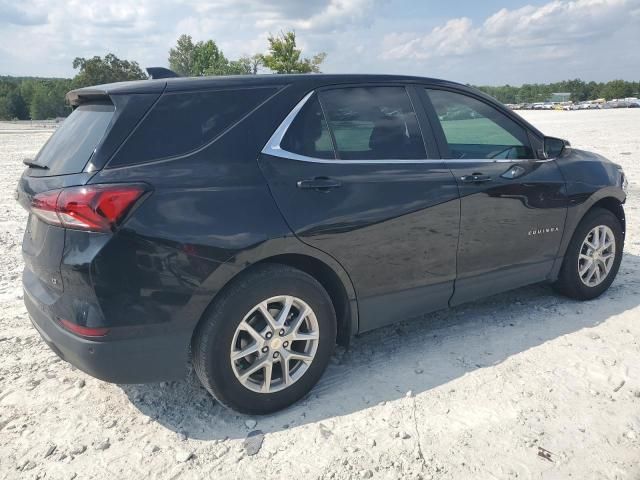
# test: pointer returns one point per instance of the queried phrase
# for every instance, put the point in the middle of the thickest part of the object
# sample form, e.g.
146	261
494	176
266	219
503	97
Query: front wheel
593	257
266	341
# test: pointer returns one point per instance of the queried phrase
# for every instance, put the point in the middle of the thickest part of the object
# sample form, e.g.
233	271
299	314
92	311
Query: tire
570	282
220	335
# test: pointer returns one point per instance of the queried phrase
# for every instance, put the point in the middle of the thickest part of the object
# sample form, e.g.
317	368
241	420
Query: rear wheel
593	256
266	341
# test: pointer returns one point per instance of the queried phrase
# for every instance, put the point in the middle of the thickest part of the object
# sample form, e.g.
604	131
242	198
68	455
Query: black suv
253	222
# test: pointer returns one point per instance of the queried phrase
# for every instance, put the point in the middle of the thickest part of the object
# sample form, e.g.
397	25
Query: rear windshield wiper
29	163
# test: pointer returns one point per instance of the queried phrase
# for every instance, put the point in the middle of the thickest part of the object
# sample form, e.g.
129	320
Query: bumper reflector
84	331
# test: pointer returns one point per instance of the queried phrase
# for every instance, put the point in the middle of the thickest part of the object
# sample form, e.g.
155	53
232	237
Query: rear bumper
140	359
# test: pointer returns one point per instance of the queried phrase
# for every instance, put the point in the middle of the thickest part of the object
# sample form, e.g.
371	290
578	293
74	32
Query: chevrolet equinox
251	223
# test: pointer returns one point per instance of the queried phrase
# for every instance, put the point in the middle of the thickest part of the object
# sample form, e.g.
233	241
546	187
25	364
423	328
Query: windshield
71	146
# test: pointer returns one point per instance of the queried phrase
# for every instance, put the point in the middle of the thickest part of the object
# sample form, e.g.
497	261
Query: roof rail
161	72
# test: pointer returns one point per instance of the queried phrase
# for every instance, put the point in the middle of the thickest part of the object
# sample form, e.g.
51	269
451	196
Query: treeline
579	89
37	98
23	98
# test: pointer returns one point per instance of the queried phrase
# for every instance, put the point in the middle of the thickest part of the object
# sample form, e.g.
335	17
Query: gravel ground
523	385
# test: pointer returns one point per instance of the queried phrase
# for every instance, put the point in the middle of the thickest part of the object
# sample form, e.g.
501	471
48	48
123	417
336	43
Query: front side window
476	130
373	123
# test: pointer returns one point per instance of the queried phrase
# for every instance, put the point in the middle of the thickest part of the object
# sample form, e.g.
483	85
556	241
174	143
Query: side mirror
555	147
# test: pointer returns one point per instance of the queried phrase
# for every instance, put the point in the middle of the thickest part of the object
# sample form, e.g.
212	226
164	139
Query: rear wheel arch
339	289
345	308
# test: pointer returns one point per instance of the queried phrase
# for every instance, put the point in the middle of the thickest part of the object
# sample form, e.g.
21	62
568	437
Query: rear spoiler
103	93
84	95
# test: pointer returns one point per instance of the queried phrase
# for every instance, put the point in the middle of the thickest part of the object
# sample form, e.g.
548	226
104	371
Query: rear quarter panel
209	216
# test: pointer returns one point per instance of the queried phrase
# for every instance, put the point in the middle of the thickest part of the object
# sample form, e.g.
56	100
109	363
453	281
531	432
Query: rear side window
476	130
309	135
373	123
182	122
73	143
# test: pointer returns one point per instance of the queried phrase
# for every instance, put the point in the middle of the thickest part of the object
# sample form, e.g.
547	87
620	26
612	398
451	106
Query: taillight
84	331
92	207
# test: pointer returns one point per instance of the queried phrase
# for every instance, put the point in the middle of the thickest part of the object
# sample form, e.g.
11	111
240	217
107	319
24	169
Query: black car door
513	205
350	173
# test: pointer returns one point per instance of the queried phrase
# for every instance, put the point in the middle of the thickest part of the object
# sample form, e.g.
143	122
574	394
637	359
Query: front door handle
475	178
322	184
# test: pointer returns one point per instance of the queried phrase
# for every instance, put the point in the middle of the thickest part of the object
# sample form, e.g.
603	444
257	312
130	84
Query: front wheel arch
611	199
568	282
615	206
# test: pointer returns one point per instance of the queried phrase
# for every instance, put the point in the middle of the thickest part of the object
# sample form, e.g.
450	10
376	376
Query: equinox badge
542	231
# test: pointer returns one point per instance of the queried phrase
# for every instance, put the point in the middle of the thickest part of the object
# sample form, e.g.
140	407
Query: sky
485	42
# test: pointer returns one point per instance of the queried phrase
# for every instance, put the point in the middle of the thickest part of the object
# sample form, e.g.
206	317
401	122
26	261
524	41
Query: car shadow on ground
417	356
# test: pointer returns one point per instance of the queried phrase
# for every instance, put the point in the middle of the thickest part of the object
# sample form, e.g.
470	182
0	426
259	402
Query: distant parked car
252	222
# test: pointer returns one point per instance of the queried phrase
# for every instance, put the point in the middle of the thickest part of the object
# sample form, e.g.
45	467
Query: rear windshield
73	143
185	121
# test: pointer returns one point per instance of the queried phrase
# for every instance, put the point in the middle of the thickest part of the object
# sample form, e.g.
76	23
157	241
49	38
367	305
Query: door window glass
373	123
308	134
475	130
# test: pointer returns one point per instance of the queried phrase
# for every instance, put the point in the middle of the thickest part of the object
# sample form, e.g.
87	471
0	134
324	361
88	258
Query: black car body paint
396	240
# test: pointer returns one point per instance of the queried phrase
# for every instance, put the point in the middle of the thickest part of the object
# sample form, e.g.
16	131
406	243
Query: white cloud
335	15
554	28
595	39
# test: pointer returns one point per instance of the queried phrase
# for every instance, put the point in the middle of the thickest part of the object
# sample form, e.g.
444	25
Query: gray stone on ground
253	443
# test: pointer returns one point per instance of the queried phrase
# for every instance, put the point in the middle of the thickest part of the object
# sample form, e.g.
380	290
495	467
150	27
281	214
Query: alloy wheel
274	344
597	255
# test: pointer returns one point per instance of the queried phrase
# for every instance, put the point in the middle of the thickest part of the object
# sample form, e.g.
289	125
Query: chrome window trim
273	145
274	149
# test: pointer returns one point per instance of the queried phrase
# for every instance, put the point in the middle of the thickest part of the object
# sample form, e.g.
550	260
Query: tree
617	89
284	57
205	58
245	65
181	57
97	70
239	67
254	62
208	59
12	104
47	99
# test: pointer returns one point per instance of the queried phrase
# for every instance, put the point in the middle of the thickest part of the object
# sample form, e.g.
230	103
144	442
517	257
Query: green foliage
46	99
22	98
579	89
12	104
620	89
253	63
181	57
98	70
41	98
206	58
284	57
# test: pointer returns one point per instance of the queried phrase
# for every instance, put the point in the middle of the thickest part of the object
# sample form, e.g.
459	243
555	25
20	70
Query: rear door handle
319	183
475	178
